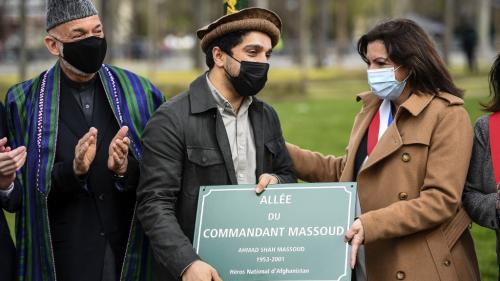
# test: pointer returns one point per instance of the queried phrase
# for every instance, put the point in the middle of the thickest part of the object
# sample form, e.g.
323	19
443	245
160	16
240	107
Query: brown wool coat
409	189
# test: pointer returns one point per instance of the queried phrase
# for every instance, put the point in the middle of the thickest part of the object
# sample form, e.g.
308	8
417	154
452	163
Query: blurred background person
468	42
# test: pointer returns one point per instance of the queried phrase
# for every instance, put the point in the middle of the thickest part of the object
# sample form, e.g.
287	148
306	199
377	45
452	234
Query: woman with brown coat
409	152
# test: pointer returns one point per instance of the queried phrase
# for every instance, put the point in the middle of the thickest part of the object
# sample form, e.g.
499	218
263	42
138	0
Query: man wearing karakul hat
82	124
216	133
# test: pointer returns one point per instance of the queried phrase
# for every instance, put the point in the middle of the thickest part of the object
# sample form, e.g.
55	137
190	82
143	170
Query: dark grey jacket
185	147
479	197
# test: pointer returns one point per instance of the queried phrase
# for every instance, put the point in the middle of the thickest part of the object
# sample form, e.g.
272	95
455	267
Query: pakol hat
252	19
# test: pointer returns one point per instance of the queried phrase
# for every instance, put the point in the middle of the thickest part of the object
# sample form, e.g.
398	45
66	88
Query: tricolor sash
379	124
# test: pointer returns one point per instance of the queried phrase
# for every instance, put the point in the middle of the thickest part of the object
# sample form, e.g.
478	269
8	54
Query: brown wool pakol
257	19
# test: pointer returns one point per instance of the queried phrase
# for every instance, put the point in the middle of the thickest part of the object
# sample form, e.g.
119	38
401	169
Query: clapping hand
85	152
10	162
118	152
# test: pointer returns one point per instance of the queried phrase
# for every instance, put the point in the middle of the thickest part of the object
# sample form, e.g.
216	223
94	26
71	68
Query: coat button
447	263
101	234
400	275
406	157
203	159
403	196
101	197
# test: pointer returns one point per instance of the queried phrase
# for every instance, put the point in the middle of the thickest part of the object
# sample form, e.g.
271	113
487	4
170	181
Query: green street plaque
289	232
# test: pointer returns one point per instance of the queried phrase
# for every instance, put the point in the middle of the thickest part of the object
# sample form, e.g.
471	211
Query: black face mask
85	55
252	77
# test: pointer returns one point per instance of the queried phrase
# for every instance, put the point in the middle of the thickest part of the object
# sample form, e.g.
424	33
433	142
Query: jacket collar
416	102
391	140
202	100
200	96
368	99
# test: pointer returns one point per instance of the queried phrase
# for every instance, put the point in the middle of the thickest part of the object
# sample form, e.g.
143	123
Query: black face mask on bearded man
86	55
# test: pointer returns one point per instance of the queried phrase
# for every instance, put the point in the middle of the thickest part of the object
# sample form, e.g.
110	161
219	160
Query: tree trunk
304	43
400	7
107	13
23	52
322	12
342	40
449	24
262	4
200	19
483	26
497	28
152	35
2	21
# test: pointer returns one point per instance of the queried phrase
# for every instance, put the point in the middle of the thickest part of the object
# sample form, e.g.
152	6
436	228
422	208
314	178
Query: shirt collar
223	104
79	86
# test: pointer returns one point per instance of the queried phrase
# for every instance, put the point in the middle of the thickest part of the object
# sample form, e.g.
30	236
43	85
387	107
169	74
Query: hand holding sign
355	236
200	271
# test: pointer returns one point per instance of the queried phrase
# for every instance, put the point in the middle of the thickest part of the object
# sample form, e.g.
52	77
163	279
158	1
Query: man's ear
51	45
219	58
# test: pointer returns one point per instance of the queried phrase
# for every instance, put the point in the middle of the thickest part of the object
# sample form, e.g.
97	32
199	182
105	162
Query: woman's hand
355	236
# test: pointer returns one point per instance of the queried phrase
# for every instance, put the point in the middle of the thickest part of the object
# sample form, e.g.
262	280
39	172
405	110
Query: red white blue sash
379	124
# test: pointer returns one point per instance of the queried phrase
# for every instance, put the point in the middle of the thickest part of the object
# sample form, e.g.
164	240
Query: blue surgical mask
383	83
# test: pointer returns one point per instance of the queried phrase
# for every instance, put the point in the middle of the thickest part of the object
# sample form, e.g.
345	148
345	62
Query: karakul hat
61	11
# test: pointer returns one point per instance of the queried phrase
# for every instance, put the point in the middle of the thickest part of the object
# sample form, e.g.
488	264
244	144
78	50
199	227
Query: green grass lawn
322	119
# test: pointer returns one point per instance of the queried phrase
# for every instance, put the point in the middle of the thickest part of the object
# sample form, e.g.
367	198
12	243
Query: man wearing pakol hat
216	133
81	122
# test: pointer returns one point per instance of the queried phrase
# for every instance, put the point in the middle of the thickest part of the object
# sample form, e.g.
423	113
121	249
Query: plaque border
347	187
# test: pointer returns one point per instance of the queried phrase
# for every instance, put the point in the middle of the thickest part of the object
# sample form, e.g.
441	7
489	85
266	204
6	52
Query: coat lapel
391	140
361	124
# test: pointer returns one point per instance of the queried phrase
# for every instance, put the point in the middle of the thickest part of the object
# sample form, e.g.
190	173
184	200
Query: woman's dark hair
226	43
494	104
408	45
